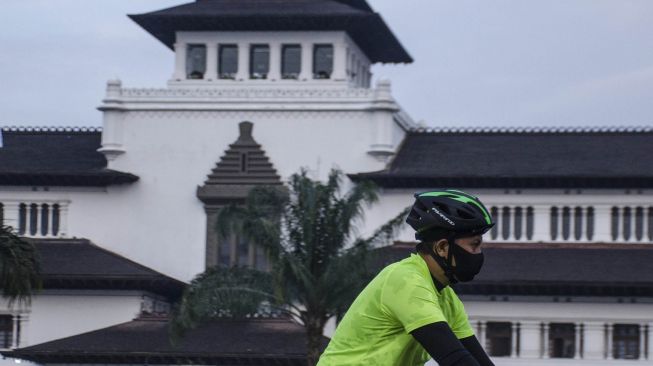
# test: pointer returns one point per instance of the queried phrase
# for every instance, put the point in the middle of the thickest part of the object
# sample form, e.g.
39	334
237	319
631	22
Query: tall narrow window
615	223
195	61
518	222
625	341
639	223
22	219
499	338
566	223
224	250
578	223
45	219
291	61
627	223
33	218
259	61
494	233
554	223
322	61
243	162
2	214
243	251
530	223
55	219
590	223
261	259
505	220
227	61
562	340
6	331
650	226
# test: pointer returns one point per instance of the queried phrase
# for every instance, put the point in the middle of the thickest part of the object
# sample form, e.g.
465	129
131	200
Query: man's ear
441	247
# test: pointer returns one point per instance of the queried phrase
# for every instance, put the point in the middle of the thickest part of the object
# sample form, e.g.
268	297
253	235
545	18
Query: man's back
401	298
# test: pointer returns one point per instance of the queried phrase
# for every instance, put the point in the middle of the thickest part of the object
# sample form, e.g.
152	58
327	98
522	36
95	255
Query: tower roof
355	17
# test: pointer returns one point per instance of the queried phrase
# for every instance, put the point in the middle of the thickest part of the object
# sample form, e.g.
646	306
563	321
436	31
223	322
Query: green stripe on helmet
462	197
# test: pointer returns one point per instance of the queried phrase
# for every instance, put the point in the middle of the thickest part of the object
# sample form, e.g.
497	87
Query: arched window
494	233
45	215
578	223
627	223
530	223
505	220
650	224
639	223
33	218
518	222
55	219
554	223
566	223
590	223
615	223
22	219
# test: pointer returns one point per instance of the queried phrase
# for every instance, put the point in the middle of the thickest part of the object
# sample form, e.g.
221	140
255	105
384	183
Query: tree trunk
314	330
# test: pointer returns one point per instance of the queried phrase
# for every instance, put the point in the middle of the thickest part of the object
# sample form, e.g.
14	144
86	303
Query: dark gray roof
366	27
276	341
80	264
58	157
493	159
553	269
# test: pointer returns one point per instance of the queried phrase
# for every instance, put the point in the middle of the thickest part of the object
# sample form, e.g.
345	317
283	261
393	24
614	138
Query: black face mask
467	266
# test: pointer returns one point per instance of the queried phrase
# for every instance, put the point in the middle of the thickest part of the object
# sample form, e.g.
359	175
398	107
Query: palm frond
19	268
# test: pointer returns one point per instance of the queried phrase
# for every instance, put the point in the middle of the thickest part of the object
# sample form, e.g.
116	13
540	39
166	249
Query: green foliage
319	263
19	267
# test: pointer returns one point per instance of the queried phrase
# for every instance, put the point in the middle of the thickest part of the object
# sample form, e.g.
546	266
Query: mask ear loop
450	270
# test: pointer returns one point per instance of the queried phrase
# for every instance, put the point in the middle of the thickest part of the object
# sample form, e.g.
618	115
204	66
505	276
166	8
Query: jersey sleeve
411	300
460	322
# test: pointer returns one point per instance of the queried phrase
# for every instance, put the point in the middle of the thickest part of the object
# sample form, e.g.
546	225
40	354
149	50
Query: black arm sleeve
440	342
475	348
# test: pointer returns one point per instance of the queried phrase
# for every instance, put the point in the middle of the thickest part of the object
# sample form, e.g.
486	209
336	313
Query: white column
11	214
14	331
243	61
306	72
602	224
514	344
545	340
339	62
180	61
275	62
481	333
211	62
642	341
529	339
577	333
23	341
541	223
63	219
608	346
593	340
37	229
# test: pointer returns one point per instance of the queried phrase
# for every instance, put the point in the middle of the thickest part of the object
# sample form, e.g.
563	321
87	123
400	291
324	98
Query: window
195	61
259	61
590	223
55	219
499	338
562	339
322	61
494	232
650	226
45	216
530	223
236	250
291	61
2	215
566	222
6	331
227	61
626	223
615	223
518	222
625	338
639	223
578	223
554	223
505	220
33	218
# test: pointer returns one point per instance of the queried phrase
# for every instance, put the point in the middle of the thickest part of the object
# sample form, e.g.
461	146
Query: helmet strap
446	264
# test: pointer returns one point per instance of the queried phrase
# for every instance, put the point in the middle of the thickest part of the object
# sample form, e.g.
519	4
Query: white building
263	88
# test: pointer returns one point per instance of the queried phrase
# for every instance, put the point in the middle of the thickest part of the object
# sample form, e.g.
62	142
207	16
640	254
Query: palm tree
318	262
19	267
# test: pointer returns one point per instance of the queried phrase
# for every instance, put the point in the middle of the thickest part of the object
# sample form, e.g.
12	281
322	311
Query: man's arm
440	342
474	347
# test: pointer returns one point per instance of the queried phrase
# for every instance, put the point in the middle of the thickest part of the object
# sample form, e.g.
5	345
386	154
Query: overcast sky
483	62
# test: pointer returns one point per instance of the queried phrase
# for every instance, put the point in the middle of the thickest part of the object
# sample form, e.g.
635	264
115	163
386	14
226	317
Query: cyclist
408	312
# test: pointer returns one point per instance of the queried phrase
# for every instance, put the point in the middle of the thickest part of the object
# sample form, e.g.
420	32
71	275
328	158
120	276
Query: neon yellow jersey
376	329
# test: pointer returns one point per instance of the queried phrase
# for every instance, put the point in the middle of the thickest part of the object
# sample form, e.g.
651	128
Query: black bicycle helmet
448	210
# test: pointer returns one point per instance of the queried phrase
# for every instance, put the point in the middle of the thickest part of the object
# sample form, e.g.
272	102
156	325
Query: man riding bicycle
408	313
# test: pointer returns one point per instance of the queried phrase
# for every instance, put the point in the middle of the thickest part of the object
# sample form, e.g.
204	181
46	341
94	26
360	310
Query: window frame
252	49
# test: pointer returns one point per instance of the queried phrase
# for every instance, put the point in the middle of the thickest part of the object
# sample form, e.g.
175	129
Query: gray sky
483	62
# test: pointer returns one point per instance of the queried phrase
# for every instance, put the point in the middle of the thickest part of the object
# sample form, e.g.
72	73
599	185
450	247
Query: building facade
261	89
